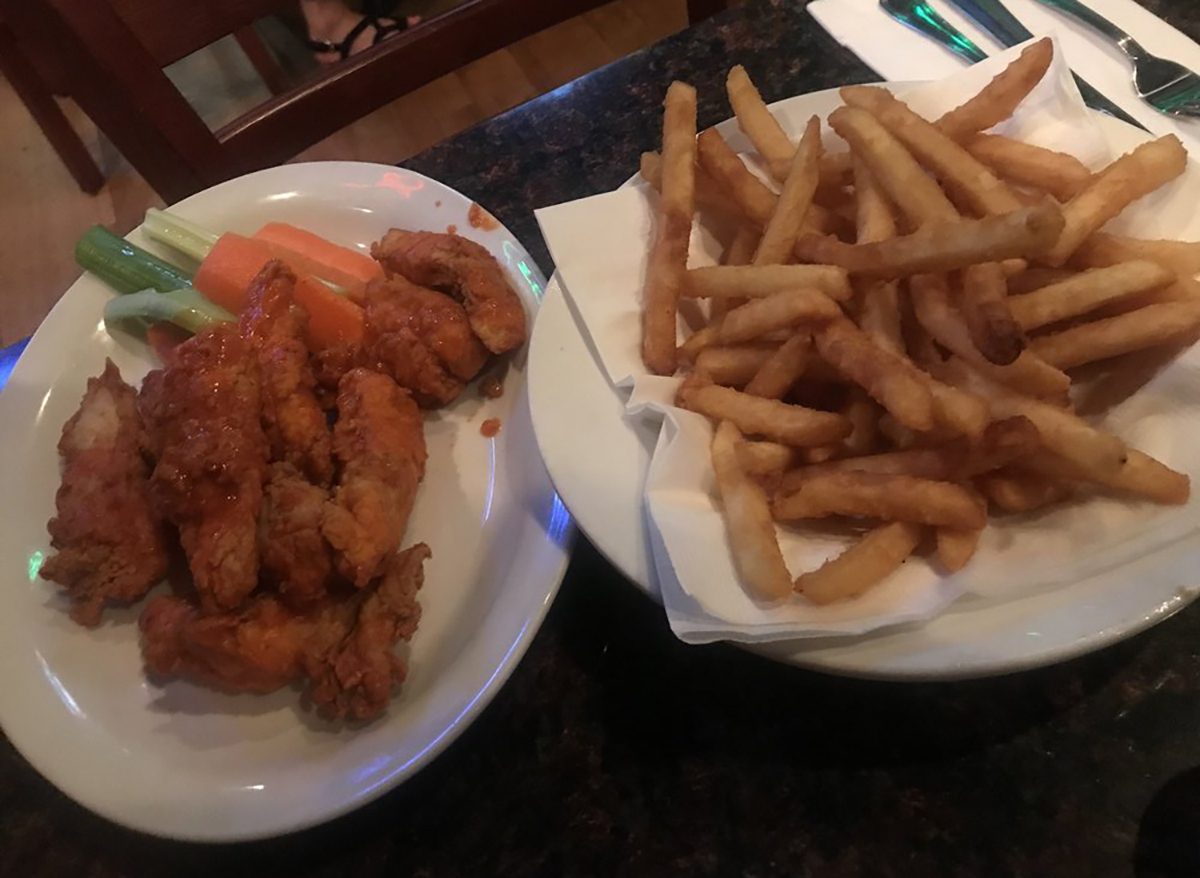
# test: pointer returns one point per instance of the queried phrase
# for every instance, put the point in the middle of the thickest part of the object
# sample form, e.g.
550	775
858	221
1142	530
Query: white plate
185	762
600	473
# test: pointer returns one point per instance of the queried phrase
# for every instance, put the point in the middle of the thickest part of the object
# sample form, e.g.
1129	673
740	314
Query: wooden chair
114	52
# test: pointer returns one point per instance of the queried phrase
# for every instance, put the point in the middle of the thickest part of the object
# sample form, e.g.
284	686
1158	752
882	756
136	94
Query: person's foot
330	25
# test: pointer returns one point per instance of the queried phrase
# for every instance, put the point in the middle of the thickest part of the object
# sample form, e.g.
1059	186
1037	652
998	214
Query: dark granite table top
617	750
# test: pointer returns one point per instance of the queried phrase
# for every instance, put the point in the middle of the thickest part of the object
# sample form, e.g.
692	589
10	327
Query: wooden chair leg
36	96
698	10
260	56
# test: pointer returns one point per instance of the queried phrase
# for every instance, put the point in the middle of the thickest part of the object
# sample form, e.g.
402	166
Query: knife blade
995	18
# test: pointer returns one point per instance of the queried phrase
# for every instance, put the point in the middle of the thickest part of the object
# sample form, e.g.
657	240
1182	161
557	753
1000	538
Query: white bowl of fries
901	375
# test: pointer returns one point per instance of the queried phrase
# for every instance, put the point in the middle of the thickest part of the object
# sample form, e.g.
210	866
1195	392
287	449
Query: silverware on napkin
1165	85
994	18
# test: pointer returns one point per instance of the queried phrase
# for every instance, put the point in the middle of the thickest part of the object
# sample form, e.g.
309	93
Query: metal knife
994	17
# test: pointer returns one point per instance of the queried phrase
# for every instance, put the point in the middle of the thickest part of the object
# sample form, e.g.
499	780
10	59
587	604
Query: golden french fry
758	124
862	412
1032	279
733	365
778	311
752	197
883	496
708	193
1132	176
934	311
879	304
778	421
993	330
947	246
865	564
782	229
956	410
1099	455
1082	293
740	252
1102	249
956	168
1141	475
782	369
756	281
874	220
908	187
885	376
669	251
959	459
1111	337
748	521
1020	492
956	546
997	100
835	170
1058	173
764	458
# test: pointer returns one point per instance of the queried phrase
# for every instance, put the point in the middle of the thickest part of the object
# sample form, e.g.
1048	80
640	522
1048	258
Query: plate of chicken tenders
276	529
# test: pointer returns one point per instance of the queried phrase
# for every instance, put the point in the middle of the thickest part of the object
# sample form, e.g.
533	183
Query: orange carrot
225	274
332	318
308	253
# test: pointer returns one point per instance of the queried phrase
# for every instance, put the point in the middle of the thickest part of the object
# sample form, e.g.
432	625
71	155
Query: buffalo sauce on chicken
490	427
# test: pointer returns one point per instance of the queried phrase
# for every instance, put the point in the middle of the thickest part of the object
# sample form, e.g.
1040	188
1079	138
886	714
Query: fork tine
1180	97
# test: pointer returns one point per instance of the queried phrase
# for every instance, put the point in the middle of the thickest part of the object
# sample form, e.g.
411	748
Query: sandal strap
343	48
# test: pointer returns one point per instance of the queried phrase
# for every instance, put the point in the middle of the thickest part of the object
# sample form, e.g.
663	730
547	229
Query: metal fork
1165	85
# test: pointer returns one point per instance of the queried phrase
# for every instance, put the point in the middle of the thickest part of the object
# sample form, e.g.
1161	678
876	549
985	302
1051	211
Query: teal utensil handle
922	18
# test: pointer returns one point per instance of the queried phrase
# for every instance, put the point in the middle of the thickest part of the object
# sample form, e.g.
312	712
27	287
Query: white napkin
898	53
599	245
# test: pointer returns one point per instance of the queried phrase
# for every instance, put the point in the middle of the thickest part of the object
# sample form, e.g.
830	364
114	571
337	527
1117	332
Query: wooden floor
42	211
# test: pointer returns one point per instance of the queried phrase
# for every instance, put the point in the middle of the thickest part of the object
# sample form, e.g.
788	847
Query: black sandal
382	30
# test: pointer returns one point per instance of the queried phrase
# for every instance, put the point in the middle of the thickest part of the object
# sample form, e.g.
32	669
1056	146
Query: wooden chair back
113	53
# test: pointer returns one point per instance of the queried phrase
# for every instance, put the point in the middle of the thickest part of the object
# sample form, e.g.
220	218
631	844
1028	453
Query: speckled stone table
616	750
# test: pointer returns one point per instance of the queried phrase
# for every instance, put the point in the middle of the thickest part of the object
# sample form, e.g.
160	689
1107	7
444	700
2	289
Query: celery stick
124	266
183	235
185	308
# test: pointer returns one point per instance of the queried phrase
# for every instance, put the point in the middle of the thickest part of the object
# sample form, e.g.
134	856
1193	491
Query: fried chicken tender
331	364
344	646
202	414
295	555
464	270
111	544
379	441
421	338
293	421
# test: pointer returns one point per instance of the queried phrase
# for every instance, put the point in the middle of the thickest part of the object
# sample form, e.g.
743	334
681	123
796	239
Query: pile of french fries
892	334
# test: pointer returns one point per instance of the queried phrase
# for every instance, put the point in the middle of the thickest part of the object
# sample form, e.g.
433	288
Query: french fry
862	412
761	459
708	193
1102	249
993	330
1058	173
782	369
1028	232
884	375
1141	475
874	220
668	254
1036	277
1132	176
782	229
724	281
1002	443
997	100
748	521
1099	455
957	169
739	253
881	496
957	410
778	311
933	309
769	418
1020	492
1131	331
758	124
908	187
733	365
1085	292
956	546
752	197
835	170
865	564
879	304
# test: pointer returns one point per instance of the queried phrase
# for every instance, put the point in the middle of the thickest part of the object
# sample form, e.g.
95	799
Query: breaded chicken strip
294	423
202	415
462	269
111	544
343	645
296	558
422	339
379	441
